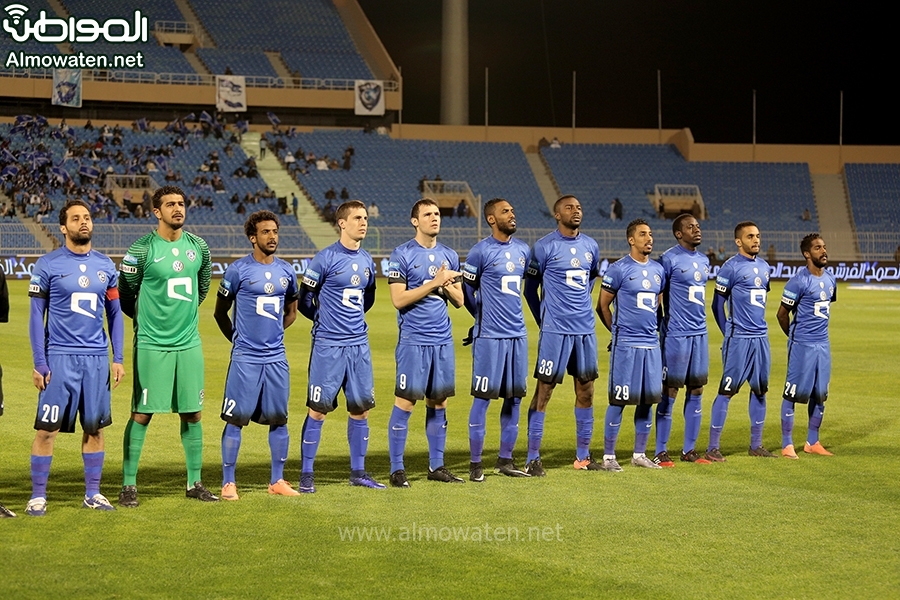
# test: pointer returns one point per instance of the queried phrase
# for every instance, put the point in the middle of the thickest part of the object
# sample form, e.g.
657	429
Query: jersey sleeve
790	297
293	290
595	262
724	280
204	277
397	267
612	279
535	269
472	268
131	271
314	275
39	285
231	281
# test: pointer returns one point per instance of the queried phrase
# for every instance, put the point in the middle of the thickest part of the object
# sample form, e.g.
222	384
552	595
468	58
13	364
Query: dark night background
712	54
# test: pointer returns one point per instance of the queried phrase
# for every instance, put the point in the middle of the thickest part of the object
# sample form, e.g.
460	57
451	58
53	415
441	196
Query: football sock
309	445
279	443
135	433
816	411
358	438
535	433
692	415
757	419
93	468
643	422
717	420
611	426
477	418
398	429
436	432
584	431
663	422
231	445
787	423
509	426
40	473
192	440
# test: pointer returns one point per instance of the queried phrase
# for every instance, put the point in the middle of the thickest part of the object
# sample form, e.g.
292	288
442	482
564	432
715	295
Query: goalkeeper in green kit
163	279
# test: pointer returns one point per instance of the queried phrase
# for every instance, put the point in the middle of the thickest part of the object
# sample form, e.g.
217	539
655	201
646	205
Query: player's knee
193	417
404	404
141	418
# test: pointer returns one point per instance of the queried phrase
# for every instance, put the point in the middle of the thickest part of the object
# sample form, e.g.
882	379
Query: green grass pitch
814	528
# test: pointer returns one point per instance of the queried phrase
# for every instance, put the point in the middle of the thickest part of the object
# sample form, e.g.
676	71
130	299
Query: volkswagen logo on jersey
575	262
83	281
432	270
354	280
645	284
823	296
191	255
757	282
697	276
178	266
510	267
268	288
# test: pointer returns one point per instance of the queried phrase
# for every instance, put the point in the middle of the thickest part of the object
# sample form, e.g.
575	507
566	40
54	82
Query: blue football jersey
426	322
565	268
340	278
684	295
494	269
744	283
76	287
637	287
260	293
809	298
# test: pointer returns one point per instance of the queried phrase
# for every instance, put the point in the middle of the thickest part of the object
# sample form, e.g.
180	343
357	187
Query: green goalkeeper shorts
168	381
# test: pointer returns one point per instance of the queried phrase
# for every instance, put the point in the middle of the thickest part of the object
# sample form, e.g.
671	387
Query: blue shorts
78	384
332	368
559	353
499	367
257	392
425	372
808	372
745	359
686	361
635	375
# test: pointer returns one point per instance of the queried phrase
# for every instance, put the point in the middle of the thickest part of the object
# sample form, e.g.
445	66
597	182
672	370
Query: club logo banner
231	93
369	97
66	88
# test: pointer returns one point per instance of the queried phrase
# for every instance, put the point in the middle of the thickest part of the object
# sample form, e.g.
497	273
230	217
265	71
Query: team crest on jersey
757	282
355	280
82	268
355	267
83	281
269	288
284	282
697	276
767	275
588	257
367	273
431	257
522	260
101	276
830	291
695	265
575	262
645	284
657	279
510	266
191	255
178	266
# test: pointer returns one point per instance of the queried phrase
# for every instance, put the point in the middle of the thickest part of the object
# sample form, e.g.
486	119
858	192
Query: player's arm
402	296
369	292
205	275
784	319
131	273
723	290
471	281
604	308
116	333
533	279
789	299
290	314
453	293
310	284
223	306
37	332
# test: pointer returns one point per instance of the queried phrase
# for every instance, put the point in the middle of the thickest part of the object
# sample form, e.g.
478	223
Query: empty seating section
774	195
875	200
16	239
309	34
154	10
240	62
387	172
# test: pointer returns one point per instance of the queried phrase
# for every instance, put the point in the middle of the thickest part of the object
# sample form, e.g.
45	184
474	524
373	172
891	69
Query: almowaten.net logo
57	30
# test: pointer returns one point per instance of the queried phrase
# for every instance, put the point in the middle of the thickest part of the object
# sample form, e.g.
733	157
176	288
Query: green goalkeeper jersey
161	286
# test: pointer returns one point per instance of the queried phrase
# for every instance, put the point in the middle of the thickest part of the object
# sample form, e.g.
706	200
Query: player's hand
445	277
41	376
469	336
118	373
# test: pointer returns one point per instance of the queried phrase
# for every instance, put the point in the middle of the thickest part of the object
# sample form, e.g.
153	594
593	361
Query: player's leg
697	377
486	357
621	369
409	388
441	384
5	513
549	369
96	413
758	378
646	391
327	372
676	354
513	386
735	358
359	390
238	383
582	365
273	411
188	403
817	401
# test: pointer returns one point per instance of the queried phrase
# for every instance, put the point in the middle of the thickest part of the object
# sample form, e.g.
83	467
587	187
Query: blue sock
757	419
693	413
816	411
309	444
509	426
663	422
787	423
477	418
717	420
231	445
643	422
535	433
398	429
358	438
611	426
93	467
436	432
40	473
584	431
279	442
